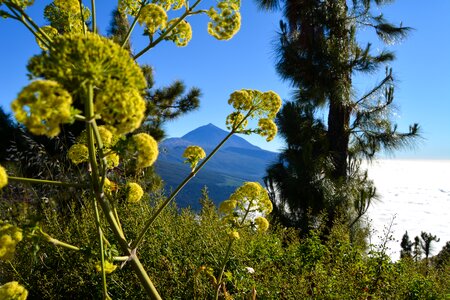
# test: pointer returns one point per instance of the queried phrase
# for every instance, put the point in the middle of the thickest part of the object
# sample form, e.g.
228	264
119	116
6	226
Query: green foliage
185	252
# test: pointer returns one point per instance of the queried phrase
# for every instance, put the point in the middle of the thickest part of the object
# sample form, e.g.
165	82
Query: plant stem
57	242
102	250
82	17
23	15
106	208
150	221
166	32
224	262
94	19
24	22
130	30
43	181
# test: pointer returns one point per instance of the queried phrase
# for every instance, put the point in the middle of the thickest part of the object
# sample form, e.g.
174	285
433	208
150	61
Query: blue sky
218	68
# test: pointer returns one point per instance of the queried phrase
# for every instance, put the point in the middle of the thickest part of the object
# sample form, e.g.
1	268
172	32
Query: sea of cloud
414	197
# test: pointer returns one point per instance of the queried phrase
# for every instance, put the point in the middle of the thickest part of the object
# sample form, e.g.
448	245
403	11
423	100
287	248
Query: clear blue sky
247	61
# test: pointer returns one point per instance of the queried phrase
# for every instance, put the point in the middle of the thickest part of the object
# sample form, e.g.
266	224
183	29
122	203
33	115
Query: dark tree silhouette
406	245
318	54
425	243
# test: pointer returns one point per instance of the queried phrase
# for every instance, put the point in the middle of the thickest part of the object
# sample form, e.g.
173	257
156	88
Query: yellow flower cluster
227	206
10	236
78	153
262	224
144	149
112	160
123	110
3	177
13	291
193	155
254	104
181	34
109	267
21	3
69	5
43	106
234	235
134	192
108	139
129	7
226	22
50	32
154	17
76	60
253	197
267	128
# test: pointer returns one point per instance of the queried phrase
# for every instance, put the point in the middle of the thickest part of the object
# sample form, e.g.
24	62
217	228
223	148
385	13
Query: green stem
149	223
43	181
106	208
31	22
94	19
102	250
227	254
24	22
222	269
82	17
130	30
188	12
57	242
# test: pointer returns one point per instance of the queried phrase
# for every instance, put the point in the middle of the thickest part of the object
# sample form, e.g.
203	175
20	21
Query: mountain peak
208	136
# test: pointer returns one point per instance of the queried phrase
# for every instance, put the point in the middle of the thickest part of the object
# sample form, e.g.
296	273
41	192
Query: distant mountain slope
236	162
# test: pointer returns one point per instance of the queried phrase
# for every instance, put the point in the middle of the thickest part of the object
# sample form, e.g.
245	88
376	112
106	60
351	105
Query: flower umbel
3	177
144	149
253	104
78	153
43	106
109	267
193	155
134	192
13	291
10	236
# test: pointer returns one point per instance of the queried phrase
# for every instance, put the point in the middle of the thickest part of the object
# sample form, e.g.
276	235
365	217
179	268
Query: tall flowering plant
81	76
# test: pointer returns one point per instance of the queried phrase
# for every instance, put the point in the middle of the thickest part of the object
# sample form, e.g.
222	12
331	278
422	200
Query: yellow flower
226	22
267	128
112	160
234	235
70	5
262	224
109	186
227	206
13	291
10	236
108	139
154	17
253	193
123	110
50	32
235	121
144	149
78	153
181	34
3	177
193	155
134	192
22	3
254	104
43	106
76	60
109	267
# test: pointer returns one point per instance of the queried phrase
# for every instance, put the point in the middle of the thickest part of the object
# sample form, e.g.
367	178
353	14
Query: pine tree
318	54
425	243
406	245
